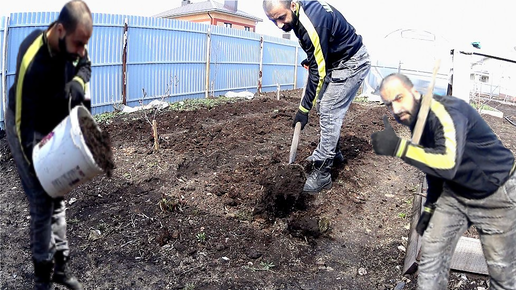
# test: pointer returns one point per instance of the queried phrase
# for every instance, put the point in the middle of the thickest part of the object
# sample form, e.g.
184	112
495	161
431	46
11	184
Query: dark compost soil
99	144
218	207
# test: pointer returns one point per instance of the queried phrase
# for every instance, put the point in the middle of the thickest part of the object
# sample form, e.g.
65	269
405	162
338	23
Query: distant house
214	13
490	77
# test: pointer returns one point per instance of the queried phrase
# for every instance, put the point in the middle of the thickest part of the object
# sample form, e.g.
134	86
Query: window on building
228	25
247	28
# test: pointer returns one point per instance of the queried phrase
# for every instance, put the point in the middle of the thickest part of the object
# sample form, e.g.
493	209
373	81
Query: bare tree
151	113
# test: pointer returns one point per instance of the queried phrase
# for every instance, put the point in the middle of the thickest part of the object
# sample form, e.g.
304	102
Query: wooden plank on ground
469	257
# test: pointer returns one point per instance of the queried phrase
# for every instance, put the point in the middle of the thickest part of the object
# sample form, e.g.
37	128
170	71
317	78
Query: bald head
74	13
268	5
403	79
400	96
282	13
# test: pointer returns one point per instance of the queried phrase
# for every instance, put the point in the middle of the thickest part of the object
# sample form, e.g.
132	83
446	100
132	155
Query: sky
460	22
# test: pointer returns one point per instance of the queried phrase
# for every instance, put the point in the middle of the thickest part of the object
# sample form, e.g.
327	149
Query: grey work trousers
338	91
47	215
495	219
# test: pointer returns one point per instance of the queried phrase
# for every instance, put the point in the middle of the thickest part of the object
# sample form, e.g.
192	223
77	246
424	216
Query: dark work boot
61	275
338	159
319	178
42	271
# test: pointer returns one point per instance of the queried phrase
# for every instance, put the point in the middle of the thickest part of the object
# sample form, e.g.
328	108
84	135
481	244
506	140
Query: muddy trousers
339	89
495	219
47	215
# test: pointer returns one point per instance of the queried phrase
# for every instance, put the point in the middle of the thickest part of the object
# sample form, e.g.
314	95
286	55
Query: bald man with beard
470	176
51	75
337	62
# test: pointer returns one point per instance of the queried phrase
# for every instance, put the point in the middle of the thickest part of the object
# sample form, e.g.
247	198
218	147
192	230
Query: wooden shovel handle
295	142
425	106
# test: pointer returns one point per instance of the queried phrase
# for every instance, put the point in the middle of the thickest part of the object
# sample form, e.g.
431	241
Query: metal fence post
124	63
260	73
296	61
4	66
208	60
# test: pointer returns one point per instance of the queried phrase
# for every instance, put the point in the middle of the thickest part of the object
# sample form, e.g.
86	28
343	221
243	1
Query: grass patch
364	99
186	105
264	266
201	237
194	104
484	107
106	117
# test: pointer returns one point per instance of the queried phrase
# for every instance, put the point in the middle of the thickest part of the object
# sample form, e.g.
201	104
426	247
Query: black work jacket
38	98
458	149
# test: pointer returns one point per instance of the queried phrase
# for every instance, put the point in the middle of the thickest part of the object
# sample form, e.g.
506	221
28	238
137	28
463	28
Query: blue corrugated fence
164	59
2	69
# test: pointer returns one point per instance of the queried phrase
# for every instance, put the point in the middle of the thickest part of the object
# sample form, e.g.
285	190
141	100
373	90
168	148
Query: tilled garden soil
218	207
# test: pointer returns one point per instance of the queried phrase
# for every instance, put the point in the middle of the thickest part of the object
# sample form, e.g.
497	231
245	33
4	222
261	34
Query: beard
287	27
63	50
412	114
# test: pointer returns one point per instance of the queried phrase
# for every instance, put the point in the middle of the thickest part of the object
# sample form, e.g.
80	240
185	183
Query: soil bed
218	207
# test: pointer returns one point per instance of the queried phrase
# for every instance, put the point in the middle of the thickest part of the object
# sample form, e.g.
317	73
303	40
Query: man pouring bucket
51	75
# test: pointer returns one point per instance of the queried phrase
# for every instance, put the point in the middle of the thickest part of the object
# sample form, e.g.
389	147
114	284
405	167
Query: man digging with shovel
470	177
51	73
338	63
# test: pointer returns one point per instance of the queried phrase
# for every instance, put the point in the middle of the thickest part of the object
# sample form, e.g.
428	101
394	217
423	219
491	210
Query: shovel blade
295	142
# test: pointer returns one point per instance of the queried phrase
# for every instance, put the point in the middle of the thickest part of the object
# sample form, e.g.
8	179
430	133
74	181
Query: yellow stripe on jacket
27	59
445	160
318	53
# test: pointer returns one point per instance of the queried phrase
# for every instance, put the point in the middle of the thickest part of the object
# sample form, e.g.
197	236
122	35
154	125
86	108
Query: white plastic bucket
62	160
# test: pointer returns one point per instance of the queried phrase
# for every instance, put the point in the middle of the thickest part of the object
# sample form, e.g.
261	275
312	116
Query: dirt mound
217	207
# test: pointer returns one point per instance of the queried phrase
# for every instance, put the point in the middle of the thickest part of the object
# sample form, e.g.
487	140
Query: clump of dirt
283	191
283	197
304	225
99	144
